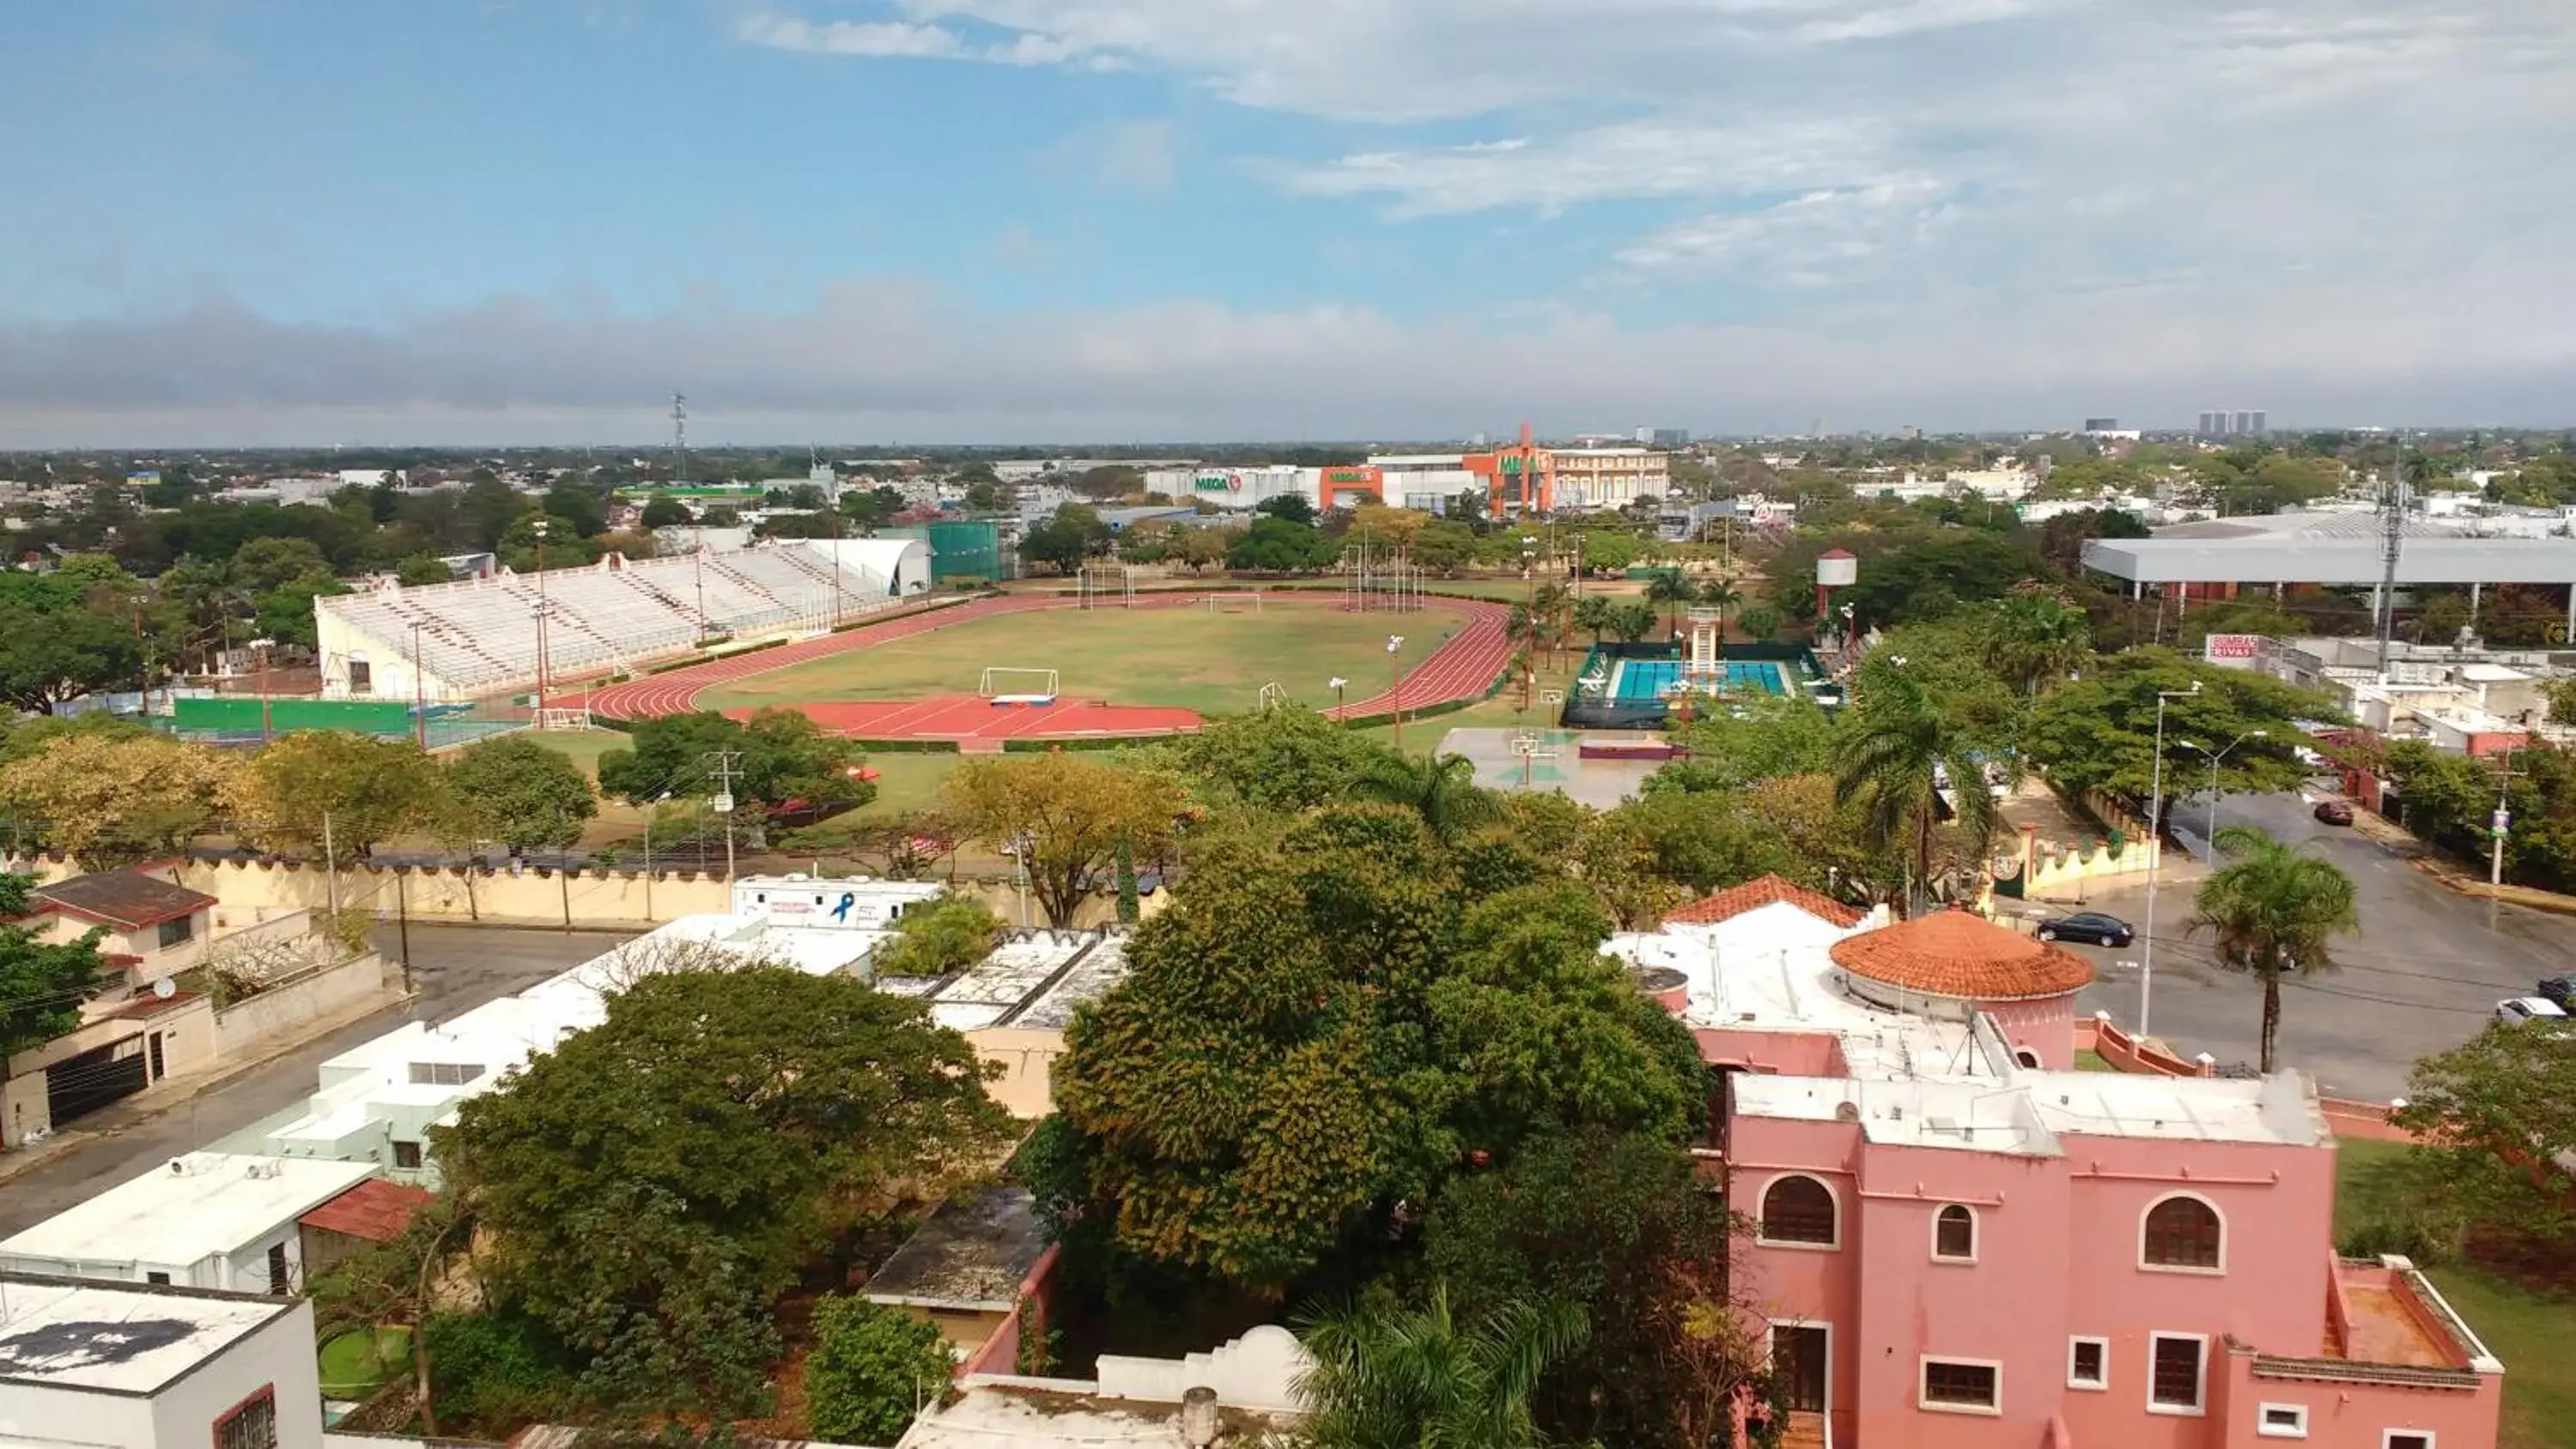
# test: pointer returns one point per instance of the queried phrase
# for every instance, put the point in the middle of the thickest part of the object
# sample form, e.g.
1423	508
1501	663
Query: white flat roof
123	1338
217	1204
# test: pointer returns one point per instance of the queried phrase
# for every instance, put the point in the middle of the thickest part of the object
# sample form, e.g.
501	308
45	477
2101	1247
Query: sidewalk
173	1092
2451	873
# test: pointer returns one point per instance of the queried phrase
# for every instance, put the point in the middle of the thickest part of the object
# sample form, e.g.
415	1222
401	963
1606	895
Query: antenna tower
680	437
2392	536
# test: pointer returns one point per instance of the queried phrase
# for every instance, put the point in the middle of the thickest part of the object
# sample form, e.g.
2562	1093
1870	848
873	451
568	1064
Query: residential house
129	1366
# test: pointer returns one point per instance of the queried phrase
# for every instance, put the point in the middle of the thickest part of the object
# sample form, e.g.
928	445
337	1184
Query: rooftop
1034	980
1013	1416
126	899
1734	901
123	1338
973	1253
197	1206
375	1210
1956	954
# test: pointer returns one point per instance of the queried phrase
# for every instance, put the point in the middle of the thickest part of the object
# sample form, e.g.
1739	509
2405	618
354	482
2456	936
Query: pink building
1962	1242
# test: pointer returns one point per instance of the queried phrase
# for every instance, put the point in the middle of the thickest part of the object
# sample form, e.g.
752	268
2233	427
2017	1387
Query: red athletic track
1463	667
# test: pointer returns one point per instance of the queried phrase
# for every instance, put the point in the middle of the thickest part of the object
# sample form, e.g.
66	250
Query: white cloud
1136	156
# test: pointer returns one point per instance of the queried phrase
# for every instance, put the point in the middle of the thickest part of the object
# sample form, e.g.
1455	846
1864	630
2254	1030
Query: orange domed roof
1953	953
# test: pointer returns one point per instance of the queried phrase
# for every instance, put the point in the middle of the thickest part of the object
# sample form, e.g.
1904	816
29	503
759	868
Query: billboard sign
2232	651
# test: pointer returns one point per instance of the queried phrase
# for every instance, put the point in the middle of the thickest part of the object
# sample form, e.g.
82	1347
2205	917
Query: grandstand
480	637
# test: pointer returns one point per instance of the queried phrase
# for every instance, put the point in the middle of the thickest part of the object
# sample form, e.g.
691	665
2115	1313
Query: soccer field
1193	658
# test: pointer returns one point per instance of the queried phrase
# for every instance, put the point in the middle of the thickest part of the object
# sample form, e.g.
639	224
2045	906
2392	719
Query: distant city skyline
1005	221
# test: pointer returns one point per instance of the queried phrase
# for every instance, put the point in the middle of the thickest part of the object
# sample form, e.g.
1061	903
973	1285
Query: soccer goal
563	719
1018	686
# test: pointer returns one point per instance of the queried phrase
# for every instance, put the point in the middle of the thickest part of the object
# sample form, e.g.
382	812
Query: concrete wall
279	1357
247	1025
1027	1057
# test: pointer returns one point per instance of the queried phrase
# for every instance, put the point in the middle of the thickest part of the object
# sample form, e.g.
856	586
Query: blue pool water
1642	680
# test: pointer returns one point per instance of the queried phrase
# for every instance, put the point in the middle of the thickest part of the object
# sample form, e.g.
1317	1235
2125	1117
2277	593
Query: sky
1008	221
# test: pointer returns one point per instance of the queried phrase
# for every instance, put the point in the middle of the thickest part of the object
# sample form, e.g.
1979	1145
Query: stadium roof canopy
2327	548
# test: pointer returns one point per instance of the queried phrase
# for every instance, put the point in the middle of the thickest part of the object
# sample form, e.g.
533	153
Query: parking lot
2423	973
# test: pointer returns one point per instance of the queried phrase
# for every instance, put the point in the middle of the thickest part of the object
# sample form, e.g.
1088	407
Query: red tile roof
126	899
375	1210
1769	890
1955	954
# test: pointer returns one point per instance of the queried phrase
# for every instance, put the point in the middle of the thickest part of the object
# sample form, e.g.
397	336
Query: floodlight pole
1395	673
267	734
2155	858
419	691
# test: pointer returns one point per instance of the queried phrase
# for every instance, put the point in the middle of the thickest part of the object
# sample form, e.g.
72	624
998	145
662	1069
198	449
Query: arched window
1954	1233
1798	1210
2026	1057
2182	1232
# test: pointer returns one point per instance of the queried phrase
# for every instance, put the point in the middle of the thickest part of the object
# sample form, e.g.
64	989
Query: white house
124	1366
205	1220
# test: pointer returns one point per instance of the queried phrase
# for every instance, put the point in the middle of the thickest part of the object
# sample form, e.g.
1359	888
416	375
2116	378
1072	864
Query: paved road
2422	975
456	968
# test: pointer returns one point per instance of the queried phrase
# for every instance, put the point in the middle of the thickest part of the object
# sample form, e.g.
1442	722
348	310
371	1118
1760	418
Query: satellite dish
165	988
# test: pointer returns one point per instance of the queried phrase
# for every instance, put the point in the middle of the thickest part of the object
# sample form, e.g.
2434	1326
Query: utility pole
2156	845
419	691
2392	534
723	765
2500	824
330	866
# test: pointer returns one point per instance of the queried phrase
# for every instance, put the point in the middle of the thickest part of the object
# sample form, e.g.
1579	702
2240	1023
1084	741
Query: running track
1462	668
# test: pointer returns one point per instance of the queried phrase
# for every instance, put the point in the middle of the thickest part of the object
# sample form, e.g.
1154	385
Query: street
2422	975
454	968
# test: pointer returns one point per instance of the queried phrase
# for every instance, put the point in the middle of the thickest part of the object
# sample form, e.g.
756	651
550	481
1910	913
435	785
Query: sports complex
984	673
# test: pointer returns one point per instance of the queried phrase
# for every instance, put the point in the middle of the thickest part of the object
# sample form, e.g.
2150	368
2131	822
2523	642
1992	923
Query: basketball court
1548	759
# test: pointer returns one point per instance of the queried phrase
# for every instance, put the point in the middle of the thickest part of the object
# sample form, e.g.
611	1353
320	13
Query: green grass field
2528	1326
1194	658
357	1363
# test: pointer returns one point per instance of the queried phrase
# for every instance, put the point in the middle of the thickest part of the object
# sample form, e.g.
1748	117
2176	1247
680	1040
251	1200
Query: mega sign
1218	485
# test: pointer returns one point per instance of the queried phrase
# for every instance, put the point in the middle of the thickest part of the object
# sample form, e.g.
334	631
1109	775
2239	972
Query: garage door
85	1083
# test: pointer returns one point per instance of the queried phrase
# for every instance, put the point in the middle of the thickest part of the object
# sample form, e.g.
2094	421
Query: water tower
1835	569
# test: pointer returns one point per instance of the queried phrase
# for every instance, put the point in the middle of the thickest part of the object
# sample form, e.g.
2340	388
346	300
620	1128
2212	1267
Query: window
1954	1234
2182	1232
362	678
1962	1384
2406	1439
445	1074
161	1278
277	1268
2174	1374
2282	1421
407	1155
250	1424
2088	1363
1798	1210
2026	1058
178	931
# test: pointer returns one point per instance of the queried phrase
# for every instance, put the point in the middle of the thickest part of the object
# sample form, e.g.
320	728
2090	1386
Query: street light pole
540	527
2155	859
2500	824
267	733
1395	673
2213	774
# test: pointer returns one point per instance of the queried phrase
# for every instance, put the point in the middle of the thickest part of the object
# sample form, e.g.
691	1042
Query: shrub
493	1370
871	1367
949	934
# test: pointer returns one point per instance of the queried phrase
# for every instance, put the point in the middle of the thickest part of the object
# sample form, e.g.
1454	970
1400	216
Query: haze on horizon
1007	221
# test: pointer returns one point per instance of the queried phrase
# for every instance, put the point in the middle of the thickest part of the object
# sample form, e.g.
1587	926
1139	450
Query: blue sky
1011	220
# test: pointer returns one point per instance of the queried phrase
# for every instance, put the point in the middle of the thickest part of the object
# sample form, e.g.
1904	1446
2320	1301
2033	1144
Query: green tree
1293	508
783	756
2033	640
2273	911
349	793
1622	1225
1760	622
2562	701
1277	545
1444	548
42	984
871	1369
1277	759
1389	1377
1441	789
1901	752
650	1185
265	565
1608	553
2498	1115
1670	587
113	799
664	511
2099	732
62	638
1066	816
1066	540
1722	596
1594	613
949	934
420	570
521	793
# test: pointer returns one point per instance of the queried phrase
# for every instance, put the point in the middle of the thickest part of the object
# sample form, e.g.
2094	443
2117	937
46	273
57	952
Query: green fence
236	719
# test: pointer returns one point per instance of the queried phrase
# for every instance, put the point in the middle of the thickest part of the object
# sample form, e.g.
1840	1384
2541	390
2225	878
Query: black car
2560	990
2090	927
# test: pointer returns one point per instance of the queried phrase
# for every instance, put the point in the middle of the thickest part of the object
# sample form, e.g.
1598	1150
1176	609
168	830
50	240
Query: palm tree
1721	596
1669	587
1552	605
2032	639
1442	789
1899	751
1593	614
2270	913
1416	1378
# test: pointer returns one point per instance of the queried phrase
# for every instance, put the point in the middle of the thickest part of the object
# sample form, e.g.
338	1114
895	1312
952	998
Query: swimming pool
1643	680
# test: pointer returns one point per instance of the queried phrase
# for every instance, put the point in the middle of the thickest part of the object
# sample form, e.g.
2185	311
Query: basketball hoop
1532	747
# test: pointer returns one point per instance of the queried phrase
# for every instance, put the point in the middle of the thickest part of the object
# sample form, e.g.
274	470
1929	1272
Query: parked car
2559	990
2092	927
2530	1008
2334	812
